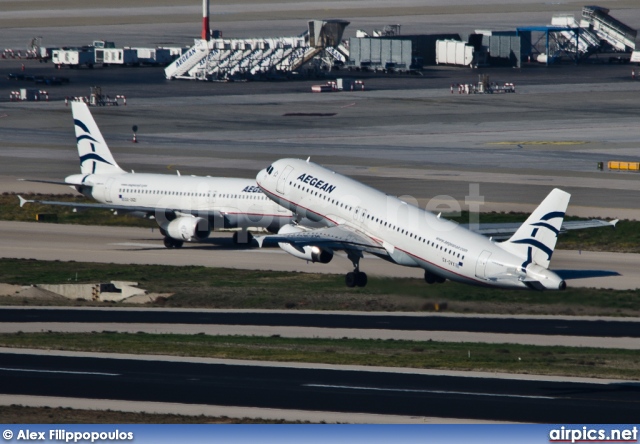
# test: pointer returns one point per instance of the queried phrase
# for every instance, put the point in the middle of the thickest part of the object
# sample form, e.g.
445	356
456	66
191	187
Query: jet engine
188	228
308	252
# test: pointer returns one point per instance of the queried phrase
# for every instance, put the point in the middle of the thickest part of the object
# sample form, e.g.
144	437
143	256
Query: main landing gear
355	278
431	278
170	242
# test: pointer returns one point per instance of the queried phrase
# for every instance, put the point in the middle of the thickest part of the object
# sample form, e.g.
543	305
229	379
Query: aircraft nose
261	175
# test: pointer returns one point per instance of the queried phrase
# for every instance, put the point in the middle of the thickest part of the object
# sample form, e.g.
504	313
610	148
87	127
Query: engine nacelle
187	228
308	252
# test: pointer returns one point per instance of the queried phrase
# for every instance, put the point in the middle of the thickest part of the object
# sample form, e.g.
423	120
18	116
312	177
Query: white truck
116	56
74	58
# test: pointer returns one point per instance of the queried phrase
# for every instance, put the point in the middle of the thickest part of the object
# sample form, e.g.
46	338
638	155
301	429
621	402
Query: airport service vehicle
186	208
359	219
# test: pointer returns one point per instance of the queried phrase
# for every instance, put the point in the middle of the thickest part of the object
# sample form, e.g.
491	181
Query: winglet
614	222
23	201
260	240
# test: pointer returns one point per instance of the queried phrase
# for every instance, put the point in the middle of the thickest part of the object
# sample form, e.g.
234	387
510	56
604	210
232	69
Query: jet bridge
227	58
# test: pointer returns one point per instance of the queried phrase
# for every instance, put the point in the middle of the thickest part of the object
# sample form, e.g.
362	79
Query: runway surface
425	323
333	390
29	240
407	136
593	332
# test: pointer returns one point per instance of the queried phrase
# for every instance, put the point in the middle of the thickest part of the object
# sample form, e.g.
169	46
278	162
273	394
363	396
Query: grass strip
203	287
16	414
510	358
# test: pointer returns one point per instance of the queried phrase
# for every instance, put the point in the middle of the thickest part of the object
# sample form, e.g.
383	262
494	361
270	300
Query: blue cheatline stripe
81	125
537	244
552	215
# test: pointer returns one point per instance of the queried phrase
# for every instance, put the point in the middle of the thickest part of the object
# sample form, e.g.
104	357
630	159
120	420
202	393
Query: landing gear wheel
429	278
361	279
172	243
350	279
355	279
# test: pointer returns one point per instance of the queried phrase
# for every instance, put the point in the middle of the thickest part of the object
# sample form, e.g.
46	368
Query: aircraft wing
151	211
504	230
340	237
24	201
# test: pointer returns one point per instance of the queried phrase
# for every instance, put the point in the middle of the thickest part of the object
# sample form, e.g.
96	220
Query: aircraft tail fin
95	157
536	238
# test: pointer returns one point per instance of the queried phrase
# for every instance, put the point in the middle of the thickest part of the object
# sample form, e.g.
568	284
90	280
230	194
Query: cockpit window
270	169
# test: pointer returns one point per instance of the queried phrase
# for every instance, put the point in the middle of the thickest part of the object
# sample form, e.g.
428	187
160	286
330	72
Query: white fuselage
226	202
411	236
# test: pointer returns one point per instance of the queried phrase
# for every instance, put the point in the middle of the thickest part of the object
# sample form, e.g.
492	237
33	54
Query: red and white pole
205	20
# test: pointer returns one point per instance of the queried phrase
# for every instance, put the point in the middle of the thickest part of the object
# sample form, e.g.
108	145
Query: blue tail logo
534	243
92	155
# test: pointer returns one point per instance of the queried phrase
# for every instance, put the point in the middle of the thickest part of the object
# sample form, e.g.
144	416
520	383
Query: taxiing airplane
359	219
186	208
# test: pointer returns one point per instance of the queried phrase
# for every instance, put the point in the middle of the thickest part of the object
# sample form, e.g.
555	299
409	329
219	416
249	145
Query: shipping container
453	52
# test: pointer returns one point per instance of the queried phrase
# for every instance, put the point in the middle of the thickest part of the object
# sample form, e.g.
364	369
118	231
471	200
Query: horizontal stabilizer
23	201
504	230
53	182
